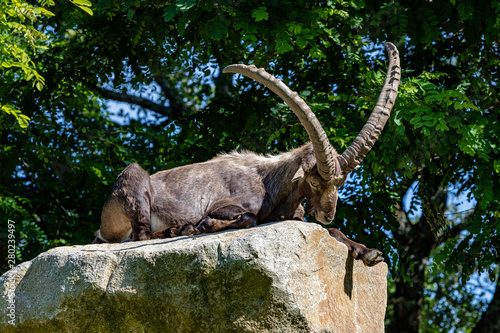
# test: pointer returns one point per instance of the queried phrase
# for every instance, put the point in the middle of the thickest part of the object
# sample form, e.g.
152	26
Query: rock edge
288	276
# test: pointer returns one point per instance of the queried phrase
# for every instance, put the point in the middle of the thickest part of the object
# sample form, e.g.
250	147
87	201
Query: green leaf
249	37
427	85
83	5
217	28
444	127
22	119
87	10
295	28
284	47
401	130
301	43
185	5
496	166
415	120
45	12
169	13
260	14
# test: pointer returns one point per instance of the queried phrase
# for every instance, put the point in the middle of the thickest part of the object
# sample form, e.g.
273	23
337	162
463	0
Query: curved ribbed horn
325	154
370	132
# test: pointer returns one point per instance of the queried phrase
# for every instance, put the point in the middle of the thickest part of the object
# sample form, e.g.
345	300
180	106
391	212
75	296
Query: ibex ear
307	163
299	174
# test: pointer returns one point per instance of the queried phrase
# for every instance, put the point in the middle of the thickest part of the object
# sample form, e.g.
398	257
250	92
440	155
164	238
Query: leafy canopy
62	145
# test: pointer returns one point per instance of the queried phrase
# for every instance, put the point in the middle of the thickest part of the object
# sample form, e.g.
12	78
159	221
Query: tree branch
404	221
456	229
140	101
176	105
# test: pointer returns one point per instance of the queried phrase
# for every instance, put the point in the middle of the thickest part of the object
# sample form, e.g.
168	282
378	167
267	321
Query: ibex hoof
371	257
206	225
246	220
188	230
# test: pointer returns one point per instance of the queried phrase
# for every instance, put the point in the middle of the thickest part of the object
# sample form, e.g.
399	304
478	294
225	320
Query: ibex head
321	175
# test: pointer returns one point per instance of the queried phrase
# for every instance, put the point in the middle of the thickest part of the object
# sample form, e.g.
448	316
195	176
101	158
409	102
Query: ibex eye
314	183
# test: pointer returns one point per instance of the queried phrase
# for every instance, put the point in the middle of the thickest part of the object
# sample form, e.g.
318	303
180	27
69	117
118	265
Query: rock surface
283	277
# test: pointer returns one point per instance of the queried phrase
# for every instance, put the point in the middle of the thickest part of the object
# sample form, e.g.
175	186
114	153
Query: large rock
282	277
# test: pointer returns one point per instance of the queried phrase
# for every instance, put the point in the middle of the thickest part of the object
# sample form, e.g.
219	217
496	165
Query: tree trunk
490	320
408	299
418	241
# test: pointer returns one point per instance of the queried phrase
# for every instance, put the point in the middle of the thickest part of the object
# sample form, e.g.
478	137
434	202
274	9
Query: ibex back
243	189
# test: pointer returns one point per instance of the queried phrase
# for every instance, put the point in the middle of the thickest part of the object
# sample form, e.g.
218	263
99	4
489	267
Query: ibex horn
325	154
370	132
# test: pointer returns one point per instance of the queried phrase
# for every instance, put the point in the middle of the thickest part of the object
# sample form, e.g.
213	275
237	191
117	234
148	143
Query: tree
452	118
19	40
165	60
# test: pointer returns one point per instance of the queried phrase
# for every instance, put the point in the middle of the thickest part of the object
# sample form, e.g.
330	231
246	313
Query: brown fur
235	190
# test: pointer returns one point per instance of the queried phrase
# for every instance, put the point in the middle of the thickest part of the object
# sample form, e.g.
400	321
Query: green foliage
260	14
165	58
444	291
83	5
22	119
20	40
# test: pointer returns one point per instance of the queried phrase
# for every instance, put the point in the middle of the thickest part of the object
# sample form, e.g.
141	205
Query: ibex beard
244	189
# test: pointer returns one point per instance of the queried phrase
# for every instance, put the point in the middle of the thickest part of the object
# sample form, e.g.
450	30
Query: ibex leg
223	215
228	214
184	230
370	257
126	213
209	225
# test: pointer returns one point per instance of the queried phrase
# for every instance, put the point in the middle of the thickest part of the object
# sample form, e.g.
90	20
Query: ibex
243	189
